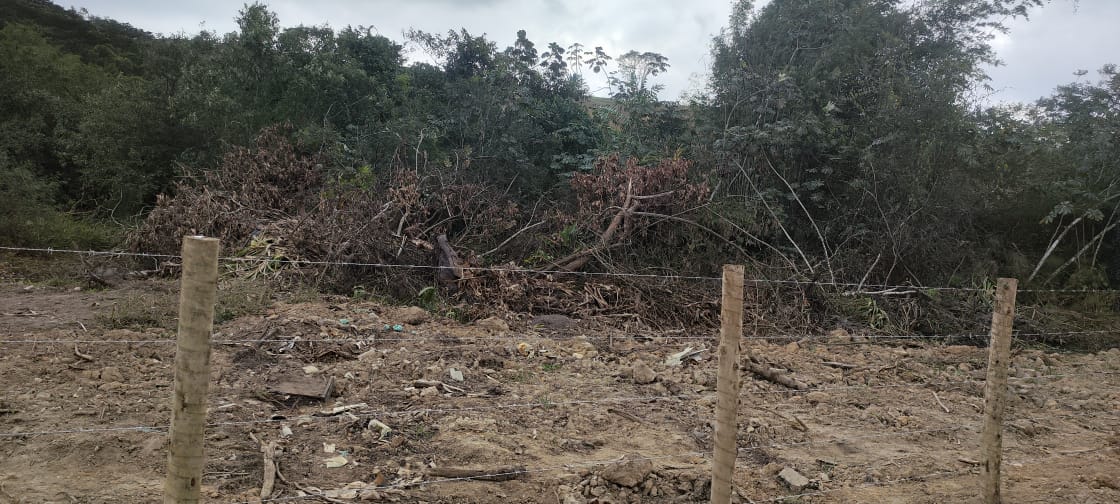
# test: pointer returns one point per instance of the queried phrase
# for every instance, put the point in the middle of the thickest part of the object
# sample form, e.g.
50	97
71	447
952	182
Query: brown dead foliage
634	302
252	187
275	207
619	199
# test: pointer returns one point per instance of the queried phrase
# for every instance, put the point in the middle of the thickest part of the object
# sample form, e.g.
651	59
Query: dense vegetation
836	140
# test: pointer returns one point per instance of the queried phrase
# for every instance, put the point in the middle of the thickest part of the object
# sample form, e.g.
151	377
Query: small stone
413	315
630	472
493	324
369	355
793	479
111	374
455	374
642	373
792	347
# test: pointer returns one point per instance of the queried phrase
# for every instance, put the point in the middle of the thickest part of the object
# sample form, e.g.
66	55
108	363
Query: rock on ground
642	373
793	479
630	472
413	315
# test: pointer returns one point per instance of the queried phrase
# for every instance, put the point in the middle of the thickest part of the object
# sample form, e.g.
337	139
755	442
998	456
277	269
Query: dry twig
939	403
775	376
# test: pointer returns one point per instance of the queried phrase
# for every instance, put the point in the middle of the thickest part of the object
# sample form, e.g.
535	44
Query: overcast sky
1063	37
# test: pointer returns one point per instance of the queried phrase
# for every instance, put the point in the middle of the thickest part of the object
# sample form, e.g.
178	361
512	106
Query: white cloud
1039	55
1060	38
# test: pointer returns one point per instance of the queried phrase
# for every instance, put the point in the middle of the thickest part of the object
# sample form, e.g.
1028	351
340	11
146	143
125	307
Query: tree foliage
839	139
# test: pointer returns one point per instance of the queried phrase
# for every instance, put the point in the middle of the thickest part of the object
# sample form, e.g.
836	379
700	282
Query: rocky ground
357	401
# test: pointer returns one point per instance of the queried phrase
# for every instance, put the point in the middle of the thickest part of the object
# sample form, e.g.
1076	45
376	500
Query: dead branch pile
250	189
273	207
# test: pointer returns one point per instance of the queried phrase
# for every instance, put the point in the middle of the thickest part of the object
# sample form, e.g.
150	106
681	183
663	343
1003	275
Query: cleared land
558	399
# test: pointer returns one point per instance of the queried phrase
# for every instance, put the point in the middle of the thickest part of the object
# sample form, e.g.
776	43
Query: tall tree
846	122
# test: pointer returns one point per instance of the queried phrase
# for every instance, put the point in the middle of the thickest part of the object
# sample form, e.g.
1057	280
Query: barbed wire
1096	415
842	440
320	416
925	384
922	477
613	400
546	404
91	430
419	411
371	264
885	289
450	339
110	253
1059	375
550	404
519	472
411	484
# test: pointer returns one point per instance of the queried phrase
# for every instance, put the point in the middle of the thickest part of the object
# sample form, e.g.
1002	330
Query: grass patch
301	294
239	297
520	376
141	311
236	298
51	228
58	270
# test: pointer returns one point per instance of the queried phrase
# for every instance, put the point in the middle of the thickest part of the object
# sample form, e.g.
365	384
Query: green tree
846	123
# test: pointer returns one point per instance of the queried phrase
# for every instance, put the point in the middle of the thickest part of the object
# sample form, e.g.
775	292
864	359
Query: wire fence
921	477
362	410
570	467
378	336
882	289
371	337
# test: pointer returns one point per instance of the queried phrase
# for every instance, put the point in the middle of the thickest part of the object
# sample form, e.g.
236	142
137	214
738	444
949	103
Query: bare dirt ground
553	401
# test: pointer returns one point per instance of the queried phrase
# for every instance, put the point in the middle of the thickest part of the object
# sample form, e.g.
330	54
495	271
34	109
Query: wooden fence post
995	390
727	385
185	457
